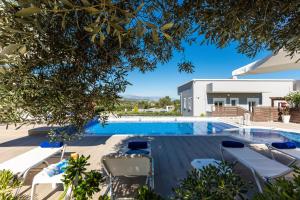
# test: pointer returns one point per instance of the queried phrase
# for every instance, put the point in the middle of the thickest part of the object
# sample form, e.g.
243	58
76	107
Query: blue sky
209	61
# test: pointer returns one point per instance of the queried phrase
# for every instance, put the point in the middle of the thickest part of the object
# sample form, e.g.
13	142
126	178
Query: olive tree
65	61
60	59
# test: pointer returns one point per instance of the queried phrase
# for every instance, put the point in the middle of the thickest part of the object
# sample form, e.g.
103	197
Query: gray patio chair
128	165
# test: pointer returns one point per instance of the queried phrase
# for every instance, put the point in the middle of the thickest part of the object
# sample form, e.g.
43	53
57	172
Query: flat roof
228	79
189	84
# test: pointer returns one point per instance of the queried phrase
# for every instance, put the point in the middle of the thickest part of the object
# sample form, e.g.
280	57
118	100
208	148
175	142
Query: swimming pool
164	128
157	128
258	135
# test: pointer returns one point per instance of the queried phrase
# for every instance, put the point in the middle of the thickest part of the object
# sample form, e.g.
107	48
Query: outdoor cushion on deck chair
259	165
134	145
284	145
47	144
232	144
138	147
21	164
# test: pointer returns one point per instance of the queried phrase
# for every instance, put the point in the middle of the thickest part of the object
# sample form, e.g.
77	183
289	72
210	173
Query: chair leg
257	181
222	153
63	152
32	191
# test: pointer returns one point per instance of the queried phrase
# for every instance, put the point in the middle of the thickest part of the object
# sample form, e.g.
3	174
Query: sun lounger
21	164
288	148
128	165
48	176
260	166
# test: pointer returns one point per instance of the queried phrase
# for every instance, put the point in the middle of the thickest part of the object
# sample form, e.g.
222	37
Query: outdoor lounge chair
287	148
128	165
260	166
21	164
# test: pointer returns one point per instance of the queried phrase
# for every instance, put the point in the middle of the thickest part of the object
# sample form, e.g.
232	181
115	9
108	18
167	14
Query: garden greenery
84	183
293	98
282	189
212	182
8	184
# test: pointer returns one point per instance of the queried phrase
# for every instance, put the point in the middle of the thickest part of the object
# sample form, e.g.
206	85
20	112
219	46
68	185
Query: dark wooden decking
172	157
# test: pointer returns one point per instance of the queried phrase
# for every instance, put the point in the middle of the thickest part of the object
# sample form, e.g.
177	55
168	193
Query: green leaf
67	2
91	10
102	38
88	29
93	38
168	37
85	2
120	40
22	50
150	25
108	29
28	11
10	49
155	36
63	22
167	26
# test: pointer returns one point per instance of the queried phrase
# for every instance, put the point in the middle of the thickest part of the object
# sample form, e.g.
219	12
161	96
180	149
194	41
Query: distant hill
140	98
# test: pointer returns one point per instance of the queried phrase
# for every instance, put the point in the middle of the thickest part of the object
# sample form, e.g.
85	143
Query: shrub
136	109
84	183
212	182
282	189
293	98
145	193
8	183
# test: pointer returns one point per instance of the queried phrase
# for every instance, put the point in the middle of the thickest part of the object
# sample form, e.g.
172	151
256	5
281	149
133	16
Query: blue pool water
157	128
268	136
190	128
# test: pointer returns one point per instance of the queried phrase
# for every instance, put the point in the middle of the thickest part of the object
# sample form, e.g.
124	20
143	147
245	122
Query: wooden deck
172	156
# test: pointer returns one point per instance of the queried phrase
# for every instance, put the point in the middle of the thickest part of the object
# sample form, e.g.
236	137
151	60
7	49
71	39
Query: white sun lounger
292	153
21	164
126	165
41	178
260	166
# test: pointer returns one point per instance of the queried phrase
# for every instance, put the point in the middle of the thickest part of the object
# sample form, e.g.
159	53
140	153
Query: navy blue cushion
134	145
232	144
284	145
138	151
51	144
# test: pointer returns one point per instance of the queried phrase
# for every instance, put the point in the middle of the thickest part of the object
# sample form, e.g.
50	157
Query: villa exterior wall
242	98
186	98
204	92
297	85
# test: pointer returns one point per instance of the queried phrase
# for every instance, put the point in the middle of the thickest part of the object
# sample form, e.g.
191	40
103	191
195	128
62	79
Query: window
190	102
218	103
252	102
234	101
184	103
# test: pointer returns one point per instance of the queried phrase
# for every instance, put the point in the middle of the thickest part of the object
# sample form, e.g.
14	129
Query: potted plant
286	115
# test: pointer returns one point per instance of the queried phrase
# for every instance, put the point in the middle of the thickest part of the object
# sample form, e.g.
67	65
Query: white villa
200	96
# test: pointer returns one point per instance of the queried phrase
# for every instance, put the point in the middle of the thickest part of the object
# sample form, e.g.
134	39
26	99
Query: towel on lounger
135	145
232	144
284	145
51	144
